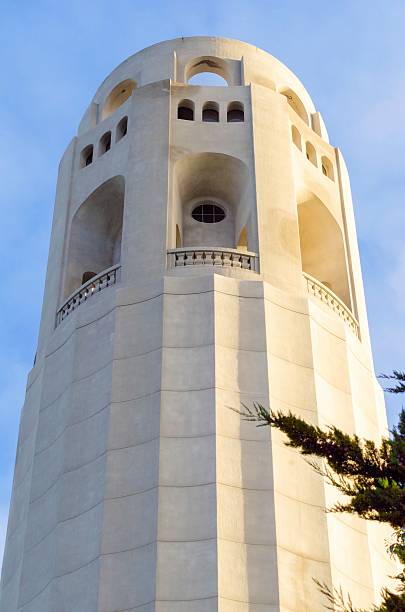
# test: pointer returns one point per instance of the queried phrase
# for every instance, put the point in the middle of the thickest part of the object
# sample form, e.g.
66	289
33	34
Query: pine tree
371	476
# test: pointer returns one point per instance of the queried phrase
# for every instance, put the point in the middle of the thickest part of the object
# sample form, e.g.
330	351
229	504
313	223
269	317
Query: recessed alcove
322	247
296	104
117	97
95	234
212	202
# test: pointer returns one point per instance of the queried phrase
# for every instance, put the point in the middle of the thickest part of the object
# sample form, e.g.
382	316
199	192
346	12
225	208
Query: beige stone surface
136	486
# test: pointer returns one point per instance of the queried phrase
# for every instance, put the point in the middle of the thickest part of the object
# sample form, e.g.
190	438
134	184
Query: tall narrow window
86	156
185	110
235	112
105	143
210	112
122	129
296	137
311	153
327	167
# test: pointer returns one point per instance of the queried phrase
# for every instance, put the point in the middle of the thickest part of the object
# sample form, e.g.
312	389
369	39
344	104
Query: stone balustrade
320	291
106	278
211	256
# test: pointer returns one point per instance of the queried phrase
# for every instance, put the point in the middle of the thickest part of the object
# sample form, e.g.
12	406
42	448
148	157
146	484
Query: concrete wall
136	486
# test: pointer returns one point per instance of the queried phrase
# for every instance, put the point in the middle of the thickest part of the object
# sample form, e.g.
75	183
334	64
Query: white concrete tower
203	254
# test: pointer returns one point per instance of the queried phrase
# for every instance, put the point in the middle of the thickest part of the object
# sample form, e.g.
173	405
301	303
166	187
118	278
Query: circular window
208	212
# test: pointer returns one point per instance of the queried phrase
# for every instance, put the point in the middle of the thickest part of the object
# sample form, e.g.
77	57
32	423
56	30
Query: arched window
311	153
296	137
210	112
86	156
117	97
122	129
327	167
235	112
185	110
296	104
105	143
95	234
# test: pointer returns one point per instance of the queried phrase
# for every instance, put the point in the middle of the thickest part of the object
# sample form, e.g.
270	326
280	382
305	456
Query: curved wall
136	487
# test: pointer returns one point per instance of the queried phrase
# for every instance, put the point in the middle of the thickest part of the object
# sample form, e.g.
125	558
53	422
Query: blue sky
54	54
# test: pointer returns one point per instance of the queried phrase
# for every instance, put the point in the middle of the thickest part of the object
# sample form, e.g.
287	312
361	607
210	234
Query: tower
203	254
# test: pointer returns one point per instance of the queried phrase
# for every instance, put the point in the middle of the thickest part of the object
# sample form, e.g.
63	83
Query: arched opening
235	112
117	97
122	129
208	79
296	137
178	237
207	71
95	233
185	110
210	112
210	202
86	156
311	153
105	143
296	104
327	167
322	247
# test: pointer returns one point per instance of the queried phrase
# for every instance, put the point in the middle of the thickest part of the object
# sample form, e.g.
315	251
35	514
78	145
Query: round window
208	212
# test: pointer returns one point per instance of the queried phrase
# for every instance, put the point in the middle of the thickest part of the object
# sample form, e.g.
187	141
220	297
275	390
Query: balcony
325	295
211	256
106	278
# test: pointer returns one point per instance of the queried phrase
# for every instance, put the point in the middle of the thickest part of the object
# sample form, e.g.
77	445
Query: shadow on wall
117	97
212	205
296	104
95	234
322	247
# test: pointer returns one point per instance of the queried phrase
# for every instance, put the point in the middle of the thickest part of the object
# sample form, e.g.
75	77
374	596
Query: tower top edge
170	60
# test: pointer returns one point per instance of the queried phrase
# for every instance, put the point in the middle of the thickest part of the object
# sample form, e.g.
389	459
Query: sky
349	54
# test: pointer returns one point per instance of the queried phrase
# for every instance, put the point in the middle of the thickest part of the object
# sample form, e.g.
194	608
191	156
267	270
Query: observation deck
207	257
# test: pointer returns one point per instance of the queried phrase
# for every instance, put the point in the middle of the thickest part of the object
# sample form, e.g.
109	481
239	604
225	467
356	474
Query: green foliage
399	377
371	477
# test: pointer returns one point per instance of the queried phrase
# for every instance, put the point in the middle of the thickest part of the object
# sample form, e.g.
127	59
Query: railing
211	256
320	291
94	285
